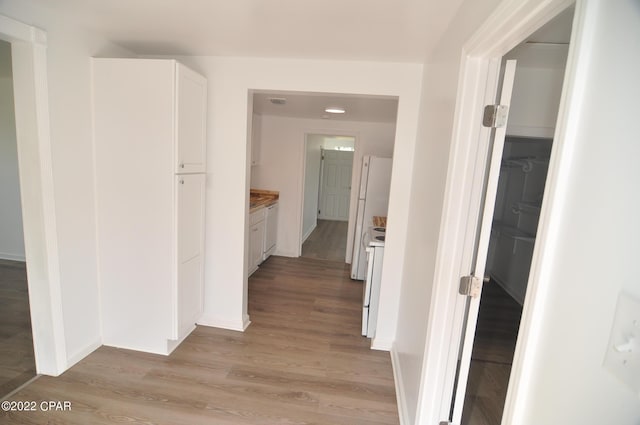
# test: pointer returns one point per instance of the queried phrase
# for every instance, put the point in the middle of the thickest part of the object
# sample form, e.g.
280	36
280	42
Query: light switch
623	353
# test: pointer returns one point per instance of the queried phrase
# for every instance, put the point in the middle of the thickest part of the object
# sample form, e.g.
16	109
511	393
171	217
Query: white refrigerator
373	200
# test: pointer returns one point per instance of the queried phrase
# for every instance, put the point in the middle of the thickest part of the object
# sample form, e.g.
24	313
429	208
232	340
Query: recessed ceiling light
335	110
278	100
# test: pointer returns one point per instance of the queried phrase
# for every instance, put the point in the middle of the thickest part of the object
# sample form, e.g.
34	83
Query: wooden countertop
259	198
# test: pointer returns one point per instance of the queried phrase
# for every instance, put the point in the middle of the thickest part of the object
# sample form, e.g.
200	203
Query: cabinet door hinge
495	116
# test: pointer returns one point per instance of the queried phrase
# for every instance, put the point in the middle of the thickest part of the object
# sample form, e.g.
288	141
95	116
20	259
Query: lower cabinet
263	227
271	232
256	240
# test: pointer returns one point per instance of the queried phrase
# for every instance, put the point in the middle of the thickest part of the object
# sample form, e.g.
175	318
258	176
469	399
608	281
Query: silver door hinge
470	286
495	116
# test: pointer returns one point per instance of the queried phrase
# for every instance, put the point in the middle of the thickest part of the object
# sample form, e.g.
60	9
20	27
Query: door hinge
470	286
495	116
445	423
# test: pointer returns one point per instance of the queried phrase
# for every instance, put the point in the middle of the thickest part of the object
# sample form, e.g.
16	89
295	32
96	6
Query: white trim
219	322
510	23
28	48
81	354
306	235
401	398
381	345
12	257
556	188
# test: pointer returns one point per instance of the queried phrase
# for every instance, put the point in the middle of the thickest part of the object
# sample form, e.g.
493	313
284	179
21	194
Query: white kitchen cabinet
149	134
256	239
271	230
190	190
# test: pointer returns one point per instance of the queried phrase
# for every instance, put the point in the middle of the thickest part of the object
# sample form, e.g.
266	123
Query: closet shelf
526	207
501	228
526	163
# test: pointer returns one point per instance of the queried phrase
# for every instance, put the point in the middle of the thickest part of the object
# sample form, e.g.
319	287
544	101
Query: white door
336	185
190	192
191	120
481	250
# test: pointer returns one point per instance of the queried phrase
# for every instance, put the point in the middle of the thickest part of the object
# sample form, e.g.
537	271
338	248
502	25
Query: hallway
302	360
328	241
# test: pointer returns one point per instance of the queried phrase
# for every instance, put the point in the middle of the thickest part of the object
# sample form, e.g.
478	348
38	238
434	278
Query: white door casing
337	167
29	61
482	246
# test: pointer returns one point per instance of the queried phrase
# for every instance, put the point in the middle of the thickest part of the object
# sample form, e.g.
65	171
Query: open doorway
17	361
535	99
327	195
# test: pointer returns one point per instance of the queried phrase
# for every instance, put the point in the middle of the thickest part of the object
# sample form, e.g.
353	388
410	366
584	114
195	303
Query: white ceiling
377	30
548	47
312	105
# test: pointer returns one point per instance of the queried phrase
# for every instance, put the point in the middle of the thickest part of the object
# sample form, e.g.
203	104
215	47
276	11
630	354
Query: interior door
336	185
482	247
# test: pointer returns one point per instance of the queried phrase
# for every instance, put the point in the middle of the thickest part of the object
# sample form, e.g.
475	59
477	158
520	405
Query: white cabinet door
191	117
256	243
190	192
271	231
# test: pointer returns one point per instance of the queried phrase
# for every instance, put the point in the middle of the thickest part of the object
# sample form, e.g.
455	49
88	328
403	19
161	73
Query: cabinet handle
181	181
182	165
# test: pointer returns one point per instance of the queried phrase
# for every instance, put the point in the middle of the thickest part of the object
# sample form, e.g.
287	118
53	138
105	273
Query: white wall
427	193
595	248
313	161
282	151
230	80
68	52
536	94
11	236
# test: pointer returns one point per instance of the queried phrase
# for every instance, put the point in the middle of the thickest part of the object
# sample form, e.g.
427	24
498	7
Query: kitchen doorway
480	391
327	195
17	359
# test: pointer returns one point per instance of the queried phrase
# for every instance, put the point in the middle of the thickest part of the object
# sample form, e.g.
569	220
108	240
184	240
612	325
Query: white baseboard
219	322
245	322
79	355
308	232
397	379
12	257
382	345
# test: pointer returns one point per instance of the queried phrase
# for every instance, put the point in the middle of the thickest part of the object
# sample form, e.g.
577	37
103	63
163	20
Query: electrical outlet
623	352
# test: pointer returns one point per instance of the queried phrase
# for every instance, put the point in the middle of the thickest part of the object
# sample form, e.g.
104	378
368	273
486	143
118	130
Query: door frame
322	175
303	168
29	62
510	23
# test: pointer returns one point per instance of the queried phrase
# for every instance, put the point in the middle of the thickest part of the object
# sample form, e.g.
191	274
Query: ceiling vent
278	100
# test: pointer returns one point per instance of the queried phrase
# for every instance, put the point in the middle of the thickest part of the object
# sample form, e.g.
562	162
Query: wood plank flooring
301	361
328	241
492	356
17	362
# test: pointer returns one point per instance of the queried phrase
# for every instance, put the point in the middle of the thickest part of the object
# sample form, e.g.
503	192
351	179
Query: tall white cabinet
149	137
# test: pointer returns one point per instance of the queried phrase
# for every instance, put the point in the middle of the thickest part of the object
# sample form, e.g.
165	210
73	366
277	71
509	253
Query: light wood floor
328	241
301	361
495	341
17	362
